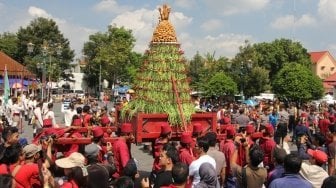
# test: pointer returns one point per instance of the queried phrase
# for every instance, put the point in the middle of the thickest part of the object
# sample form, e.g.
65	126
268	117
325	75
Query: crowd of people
268	145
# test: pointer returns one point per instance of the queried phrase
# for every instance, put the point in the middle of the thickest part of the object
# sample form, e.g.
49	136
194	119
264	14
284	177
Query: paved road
144	158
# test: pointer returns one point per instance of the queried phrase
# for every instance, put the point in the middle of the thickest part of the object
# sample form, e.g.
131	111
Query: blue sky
201	25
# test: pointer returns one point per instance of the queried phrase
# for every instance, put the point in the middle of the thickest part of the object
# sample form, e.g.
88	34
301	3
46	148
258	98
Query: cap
23	142
126	128
165	128
74	159
318	155
30	150
230	131
91	150
269	129
256	135
304	114
250	129
97	132
104	120
197	128
186	138
77	122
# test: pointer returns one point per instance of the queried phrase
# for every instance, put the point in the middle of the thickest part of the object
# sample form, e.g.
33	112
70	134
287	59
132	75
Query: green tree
218	85
273	56
257	82
196	64
8	44
39	31
112	51
244	70
296	82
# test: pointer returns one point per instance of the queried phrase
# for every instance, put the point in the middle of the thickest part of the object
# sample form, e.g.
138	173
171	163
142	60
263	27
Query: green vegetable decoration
163	66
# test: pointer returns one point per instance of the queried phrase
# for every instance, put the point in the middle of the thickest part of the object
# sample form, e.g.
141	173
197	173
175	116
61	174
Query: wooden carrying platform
147	127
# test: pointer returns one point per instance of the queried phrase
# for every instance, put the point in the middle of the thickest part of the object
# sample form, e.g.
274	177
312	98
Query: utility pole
99	89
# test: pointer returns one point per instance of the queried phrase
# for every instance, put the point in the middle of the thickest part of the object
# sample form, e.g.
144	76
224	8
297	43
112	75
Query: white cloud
76	34
289	21
37	12
142	22
229	7
327	9
110	6
225	44
211	25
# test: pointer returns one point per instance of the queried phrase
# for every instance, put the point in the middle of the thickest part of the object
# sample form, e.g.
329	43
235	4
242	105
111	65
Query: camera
47	137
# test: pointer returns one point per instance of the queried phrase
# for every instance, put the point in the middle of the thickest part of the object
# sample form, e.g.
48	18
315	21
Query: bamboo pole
179	105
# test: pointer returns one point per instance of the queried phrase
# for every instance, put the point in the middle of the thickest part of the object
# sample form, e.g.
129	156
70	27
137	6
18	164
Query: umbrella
250	102
123	89
17	85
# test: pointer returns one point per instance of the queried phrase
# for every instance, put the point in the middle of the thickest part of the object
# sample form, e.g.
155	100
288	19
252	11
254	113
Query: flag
6	87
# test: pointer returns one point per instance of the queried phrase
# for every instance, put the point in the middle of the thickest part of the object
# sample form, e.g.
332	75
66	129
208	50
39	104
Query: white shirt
44	107
31	104
38	116
68	115
195	165
314	174
16	108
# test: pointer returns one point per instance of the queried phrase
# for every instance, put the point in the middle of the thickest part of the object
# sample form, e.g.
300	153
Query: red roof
327	85
316	56
13	67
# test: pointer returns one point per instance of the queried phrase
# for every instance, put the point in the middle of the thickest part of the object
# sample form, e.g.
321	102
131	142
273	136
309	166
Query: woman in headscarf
208	176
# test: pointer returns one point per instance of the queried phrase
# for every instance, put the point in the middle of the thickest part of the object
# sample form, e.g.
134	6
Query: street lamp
46	49
244	68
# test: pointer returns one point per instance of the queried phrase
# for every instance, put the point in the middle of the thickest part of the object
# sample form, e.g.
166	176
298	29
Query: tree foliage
38	31
257	81
112	51
296	82
8	44
273	56
196	64
218	85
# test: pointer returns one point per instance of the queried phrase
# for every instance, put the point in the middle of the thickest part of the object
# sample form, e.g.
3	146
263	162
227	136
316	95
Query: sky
204	26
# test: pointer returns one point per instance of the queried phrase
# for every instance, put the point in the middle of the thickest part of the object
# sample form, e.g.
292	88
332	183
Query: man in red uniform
185	152
164	138
86	116
324	123
120	149
104	119
267	144
197	132
228	148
